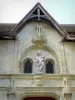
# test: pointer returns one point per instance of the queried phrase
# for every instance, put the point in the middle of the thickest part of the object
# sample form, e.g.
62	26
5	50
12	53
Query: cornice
31	76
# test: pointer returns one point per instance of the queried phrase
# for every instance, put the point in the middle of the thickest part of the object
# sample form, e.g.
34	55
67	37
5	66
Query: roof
37	13
5	29
70	28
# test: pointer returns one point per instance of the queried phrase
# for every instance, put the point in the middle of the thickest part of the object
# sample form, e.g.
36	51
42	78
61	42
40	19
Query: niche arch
27	65
50	66
35	47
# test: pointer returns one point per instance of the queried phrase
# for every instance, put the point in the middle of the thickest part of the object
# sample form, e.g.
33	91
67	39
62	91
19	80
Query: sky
12	11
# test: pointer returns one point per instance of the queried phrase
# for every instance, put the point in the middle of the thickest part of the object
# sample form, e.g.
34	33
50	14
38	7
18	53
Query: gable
39	14
29	32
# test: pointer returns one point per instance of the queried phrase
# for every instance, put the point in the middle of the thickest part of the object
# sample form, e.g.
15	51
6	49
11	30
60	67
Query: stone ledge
31	76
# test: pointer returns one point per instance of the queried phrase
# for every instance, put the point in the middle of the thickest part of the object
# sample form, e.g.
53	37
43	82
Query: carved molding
12	88
66	88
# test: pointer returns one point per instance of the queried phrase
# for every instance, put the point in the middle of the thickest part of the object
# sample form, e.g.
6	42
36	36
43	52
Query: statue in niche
40	62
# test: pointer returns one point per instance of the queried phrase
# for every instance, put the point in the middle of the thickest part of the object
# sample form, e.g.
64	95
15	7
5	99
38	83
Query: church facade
37	58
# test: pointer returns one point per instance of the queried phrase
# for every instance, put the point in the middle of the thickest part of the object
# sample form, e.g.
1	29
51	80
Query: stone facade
16	85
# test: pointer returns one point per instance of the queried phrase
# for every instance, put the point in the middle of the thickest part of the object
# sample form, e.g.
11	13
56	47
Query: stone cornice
31	76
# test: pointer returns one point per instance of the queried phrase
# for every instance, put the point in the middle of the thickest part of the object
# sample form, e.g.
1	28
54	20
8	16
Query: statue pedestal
39	73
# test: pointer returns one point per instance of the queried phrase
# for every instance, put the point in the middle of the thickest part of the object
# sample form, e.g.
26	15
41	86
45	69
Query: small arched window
28	65
49	66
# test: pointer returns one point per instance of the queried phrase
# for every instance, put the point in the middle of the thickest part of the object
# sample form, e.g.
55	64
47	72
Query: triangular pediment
38	13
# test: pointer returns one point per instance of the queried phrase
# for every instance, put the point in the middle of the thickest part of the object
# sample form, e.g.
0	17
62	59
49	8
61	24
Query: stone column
12	89
63	58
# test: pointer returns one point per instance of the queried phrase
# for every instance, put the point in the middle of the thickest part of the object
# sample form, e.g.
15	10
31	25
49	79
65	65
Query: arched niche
38	47
50	66
28	63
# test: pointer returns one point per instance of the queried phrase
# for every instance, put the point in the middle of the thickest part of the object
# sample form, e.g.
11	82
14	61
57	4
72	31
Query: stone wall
15	85
19	86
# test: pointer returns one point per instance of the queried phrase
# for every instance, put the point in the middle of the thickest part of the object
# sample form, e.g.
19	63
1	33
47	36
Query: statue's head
38	52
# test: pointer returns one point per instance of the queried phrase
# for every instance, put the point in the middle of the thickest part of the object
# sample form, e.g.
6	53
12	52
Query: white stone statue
40	62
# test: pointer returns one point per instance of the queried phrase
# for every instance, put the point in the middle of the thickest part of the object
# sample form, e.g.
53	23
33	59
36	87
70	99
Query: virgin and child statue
40	62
